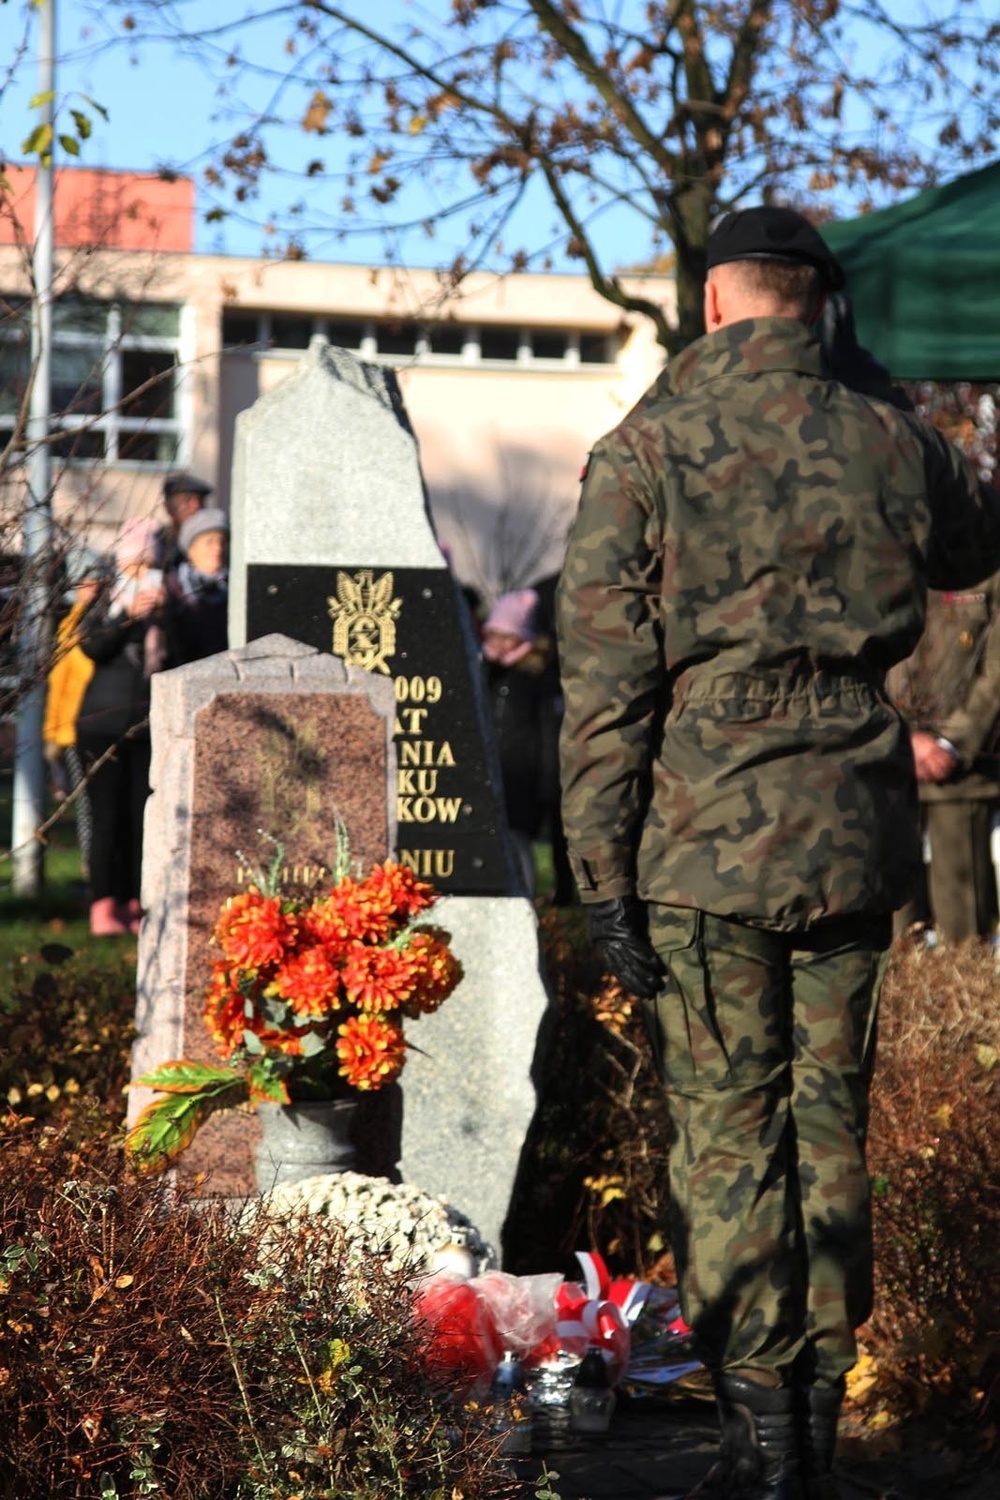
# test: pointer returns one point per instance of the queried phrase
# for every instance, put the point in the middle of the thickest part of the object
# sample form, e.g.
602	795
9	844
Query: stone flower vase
306	1138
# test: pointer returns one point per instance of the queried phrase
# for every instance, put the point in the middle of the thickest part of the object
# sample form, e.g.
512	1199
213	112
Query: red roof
105	209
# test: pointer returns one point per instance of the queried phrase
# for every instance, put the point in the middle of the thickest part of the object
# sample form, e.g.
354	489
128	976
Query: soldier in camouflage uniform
751	554
949	692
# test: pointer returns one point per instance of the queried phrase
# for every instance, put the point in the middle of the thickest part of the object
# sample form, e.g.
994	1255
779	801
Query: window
260	331
547	345
114	378
290	331
395	340
594	349
240	328
497	342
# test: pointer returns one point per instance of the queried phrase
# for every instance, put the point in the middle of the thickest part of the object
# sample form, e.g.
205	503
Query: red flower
310	982
377	978
371	1051
254	930
436	972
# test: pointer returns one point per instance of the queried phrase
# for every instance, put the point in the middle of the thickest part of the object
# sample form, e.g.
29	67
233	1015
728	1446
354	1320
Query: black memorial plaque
405	622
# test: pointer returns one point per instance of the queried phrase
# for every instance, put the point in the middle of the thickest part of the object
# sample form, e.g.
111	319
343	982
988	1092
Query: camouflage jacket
950	686
751	554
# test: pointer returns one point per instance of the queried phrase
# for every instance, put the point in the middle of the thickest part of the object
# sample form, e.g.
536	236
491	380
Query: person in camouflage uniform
751	554
949	692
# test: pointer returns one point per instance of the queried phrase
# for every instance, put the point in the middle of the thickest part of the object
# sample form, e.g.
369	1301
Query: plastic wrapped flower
308	988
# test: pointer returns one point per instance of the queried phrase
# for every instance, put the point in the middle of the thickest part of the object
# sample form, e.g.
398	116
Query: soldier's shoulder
655	409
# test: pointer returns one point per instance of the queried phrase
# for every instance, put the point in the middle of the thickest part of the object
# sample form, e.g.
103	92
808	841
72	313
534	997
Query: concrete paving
660	1450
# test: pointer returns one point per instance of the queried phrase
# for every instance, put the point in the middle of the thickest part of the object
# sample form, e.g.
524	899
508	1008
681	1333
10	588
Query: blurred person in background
68	678
198	591
949	692
183	495
523	685
127	643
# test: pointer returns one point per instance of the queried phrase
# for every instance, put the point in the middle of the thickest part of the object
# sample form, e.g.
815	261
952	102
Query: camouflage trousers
765	1042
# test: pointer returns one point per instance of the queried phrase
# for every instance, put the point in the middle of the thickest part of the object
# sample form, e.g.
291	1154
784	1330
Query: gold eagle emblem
364	616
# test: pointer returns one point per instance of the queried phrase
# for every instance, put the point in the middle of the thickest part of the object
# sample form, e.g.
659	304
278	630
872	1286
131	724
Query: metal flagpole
35	623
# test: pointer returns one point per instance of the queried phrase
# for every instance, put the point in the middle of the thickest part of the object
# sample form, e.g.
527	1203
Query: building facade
508	380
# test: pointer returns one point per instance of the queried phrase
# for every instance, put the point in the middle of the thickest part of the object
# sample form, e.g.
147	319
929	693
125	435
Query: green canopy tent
924	278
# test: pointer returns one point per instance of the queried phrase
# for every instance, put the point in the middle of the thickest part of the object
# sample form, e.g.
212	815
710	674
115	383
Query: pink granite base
283	765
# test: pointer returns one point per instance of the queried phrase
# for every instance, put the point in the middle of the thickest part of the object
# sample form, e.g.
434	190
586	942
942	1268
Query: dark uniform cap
774	234
185	484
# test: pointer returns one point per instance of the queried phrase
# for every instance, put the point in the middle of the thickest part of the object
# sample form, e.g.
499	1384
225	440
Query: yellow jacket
68	678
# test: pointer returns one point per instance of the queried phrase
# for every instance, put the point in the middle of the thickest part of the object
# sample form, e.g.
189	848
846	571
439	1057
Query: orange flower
353	911
436	972
371	1051
224	1010
399	889
377	978
310	982
227	1019
323	923
254	931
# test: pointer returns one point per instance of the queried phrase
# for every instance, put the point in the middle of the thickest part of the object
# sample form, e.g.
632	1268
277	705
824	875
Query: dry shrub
110	1349
66	1027
149	1348
933	1148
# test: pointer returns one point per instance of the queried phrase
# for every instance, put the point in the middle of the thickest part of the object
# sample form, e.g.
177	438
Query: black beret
185	484
774	234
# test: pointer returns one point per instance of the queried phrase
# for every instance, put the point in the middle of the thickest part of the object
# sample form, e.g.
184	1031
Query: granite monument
333	545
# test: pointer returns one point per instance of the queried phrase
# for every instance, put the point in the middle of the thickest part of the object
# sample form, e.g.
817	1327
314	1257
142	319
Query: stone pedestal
257	751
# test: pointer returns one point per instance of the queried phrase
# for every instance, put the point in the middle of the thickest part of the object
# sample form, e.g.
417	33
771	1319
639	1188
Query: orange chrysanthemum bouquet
307	998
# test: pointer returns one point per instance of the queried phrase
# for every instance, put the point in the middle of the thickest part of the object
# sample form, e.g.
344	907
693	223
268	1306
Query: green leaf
94	105
82	123
184	1077
167	1126
312	1045
70	145
37	100
265	1084
38	141
276	1012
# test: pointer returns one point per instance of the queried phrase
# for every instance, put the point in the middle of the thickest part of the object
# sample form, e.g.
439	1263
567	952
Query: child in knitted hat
509	632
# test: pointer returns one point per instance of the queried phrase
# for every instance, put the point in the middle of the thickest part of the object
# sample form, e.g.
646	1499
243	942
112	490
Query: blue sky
162	109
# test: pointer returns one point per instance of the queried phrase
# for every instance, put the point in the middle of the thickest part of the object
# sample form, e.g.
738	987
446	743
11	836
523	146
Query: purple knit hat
512	614
136	542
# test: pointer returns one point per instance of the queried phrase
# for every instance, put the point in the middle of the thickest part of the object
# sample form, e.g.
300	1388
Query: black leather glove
618	931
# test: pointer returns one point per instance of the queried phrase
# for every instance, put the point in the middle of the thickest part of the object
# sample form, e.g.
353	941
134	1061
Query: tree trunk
691	218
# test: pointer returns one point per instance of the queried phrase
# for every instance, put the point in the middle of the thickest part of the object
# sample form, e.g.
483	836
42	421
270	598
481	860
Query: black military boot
818	1410
760	1443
